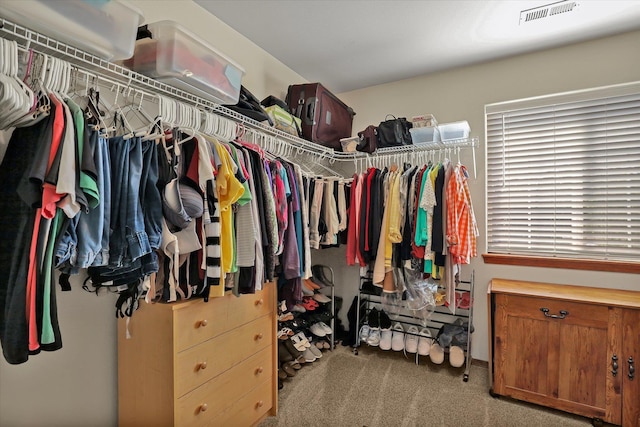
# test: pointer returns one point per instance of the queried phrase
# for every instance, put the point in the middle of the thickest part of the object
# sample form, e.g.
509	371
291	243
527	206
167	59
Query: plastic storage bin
455	130
424	134
105	28
180	58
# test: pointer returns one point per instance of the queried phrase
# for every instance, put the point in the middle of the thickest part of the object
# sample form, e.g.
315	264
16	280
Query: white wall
77	385
461	94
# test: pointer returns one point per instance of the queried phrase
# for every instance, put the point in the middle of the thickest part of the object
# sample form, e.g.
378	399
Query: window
563	175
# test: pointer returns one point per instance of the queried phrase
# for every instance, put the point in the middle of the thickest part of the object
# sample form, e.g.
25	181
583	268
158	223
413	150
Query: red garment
352	243
49	195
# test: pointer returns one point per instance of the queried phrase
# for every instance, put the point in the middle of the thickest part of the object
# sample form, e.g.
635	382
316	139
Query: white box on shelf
424	134
454	130
104	28
178	57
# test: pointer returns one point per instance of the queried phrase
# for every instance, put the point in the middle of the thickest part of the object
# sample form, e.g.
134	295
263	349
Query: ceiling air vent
546	11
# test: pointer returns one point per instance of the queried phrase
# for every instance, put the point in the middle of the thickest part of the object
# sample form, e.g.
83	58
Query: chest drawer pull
259	302
201	366
259	370
259	336
614	365
632	368
202	323
203	408
562	315
260	404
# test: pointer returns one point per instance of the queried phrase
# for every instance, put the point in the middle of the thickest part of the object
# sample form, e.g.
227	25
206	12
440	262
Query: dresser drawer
198	321
199	364
215	396
248	307
575	312
249	409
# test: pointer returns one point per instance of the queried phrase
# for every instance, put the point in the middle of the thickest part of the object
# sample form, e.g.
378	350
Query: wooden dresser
567	347
194	363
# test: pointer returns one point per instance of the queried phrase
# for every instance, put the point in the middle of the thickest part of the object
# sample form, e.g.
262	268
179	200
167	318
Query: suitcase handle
309	110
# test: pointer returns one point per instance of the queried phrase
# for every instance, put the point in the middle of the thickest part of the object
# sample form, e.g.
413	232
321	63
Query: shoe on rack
317	353
385	339
302	338
299	309
321	298
424	342
411	339
284	355
456	356
288	369
282	305
306	291
285	316
385	322
309	356
317	330
327	329
374	318
436	353
397	338
374	337
365	330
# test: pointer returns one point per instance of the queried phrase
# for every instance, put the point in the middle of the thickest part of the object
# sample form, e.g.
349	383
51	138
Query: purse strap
390	115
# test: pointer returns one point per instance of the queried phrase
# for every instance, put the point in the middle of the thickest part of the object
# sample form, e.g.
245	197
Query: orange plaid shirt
462	229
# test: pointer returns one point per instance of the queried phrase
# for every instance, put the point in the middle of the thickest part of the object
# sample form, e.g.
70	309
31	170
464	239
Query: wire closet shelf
29	39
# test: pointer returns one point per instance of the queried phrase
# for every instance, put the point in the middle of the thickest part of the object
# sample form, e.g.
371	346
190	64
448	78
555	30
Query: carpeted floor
379	389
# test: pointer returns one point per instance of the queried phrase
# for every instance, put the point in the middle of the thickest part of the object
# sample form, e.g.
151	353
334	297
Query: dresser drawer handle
259	336
203	408
202	323
201	366
260	404
632	368
259	370
562	315
259	302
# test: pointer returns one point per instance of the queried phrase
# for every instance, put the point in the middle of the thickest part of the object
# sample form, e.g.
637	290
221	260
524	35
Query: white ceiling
351	44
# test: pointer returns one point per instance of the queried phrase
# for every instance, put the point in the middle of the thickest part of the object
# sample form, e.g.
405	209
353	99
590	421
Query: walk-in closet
319	213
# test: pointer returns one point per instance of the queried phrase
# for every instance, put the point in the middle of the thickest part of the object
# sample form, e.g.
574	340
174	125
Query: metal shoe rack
441	316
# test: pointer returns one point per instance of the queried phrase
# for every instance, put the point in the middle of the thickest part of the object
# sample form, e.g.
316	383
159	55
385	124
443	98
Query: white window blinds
563	175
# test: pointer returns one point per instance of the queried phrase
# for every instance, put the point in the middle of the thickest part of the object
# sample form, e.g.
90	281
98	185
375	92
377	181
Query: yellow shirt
229	190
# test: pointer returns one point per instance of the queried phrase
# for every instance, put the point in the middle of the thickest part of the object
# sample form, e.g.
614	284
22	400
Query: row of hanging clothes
188	205
408	221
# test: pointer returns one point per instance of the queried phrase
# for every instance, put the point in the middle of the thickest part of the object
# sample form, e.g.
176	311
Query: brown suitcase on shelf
325	119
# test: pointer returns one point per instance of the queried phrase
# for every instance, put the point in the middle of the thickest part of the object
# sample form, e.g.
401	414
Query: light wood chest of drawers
199	364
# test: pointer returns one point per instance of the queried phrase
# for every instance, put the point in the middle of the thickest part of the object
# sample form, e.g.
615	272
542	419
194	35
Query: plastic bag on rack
420	293
391	304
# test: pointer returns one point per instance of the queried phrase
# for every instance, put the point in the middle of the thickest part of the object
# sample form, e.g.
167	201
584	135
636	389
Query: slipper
310	284
285	317
289	370
282	374
294	364
321	298
440	296
464	300
424	342
436	353
300	339
284	333
456	356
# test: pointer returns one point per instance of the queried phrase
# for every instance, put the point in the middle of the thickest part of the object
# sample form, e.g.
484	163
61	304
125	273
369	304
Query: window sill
575	264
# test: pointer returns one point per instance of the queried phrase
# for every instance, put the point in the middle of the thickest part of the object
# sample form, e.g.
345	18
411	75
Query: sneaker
397	340
309	356
456	356
317	353
385	322
374	318
317	330
385	339
327	328
374	337
411	339
424	342
436	353
364	332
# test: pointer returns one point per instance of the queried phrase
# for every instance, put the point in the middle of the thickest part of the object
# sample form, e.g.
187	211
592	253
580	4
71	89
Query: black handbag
394	132
248	105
